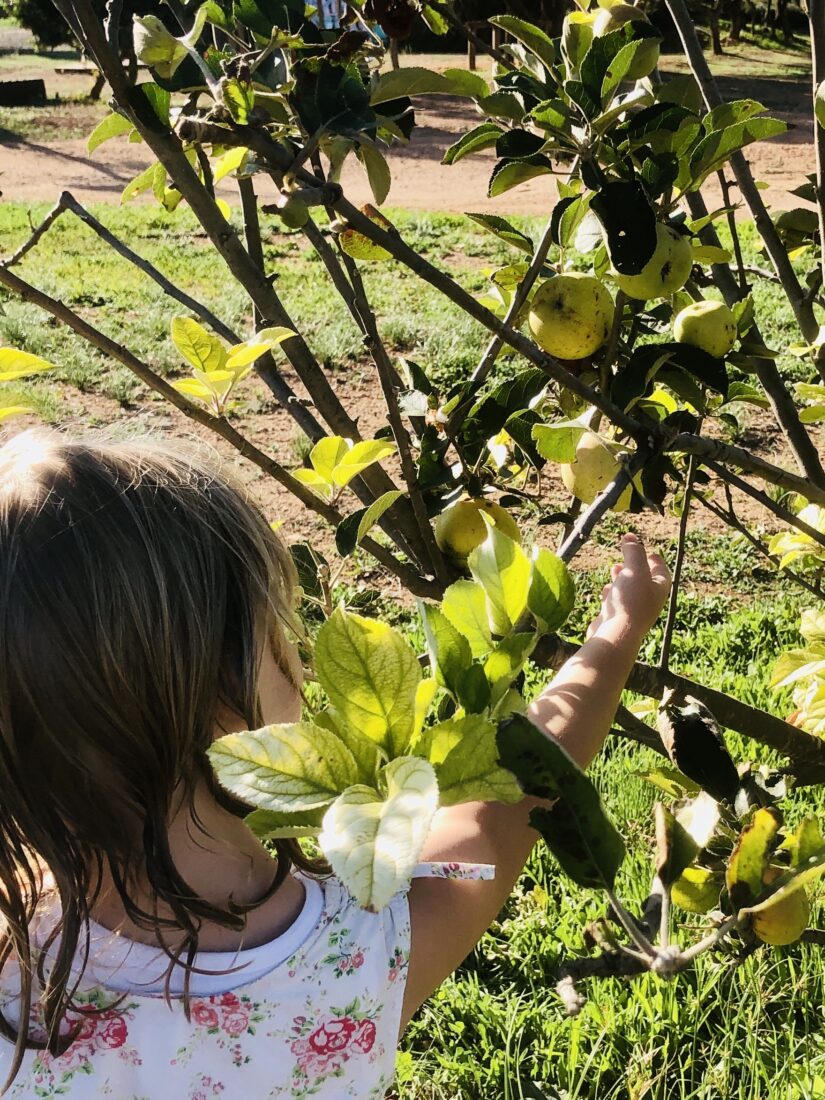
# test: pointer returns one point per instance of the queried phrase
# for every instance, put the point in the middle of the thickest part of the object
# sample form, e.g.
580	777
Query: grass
719	1032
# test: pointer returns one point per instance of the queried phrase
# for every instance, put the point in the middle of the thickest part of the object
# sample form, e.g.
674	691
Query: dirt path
50	152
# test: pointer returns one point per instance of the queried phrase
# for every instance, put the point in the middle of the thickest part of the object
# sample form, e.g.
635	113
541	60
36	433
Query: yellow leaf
18	364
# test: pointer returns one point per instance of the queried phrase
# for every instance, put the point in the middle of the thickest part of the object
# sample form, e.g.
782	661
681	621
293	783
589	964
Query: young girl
151	947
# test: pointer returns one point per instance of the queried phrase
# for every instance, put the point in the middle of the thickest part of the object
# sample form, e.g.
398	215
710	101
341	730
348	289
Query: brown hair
135	585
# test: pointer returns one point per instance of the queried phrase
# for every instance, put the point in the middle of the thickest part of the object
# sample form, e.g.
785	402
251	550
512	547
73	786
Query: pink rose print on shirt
225	1012
204	1014
332	1036
113	1032
364	1036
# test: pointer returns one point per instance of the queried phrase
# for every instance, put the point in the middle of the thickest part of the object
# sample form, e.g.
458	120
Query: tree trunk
737	20
713	22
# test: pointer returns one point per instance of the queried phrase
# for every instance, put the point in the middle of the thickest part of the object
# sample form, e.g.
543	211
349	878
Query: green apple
616	16
460	528
707	325
571	315
665	272
293	211
594	467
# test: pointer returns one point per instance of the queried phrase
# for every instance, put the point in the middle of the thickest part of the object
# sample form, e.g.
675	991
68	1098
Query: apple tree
622	339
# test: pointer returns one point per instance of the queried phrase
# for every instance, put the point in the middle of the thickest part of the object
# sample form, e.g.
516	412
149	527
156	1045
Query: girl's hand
638	591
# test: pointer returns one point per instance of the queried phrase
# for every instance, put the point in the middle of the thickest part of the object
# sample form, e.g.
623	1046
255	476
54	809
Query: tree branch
219	425
387	377
37	233
806	753
709	450
595	512
673	605
265	366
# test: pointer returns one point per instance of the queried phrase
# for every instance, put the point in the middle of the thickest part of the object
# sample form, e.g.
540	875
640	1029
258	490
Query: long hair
136	590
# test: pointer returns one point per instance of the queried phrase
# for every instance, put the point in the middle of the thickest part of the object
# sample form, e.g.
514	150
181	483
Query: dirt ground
53	156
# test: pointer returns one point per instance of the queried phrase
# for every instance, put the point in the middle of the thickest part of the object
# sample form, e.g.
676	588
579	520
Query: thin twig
673	605
766	502
744	289
219	425
479	375
265	366
387	377
732	520
588	521
52	216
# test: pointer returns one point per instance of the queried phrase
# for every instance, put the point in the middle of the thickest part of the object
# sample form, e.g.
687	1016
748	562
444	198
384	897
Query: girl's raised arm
450	916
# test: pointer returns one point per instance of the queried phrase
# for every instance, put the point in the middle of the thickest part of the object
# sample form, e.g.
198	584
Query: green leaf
198	347
729	114
268	825
413	80
142	182
576	829
480	137
374	843
750	857
805	841
670	780
713	151
16	364
700	819
157	47
552	591
510	173
368	756
798	664
359	457
464	754
289	768
378	171
506	661
238	98
503	570
506	232
326	454
695	744
111	126
450	653
370	675
375	511
558	441
465	605
812	624
675	848
535	39
819	105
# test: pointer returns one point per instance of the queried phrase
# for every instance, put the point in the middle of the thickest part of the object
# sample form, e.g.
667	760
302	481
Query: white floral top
315	1013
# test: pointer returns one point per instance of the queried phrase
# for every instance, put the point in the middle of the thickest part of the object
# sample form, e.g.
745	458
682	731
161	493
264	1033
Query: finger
616	570
659	571
635	556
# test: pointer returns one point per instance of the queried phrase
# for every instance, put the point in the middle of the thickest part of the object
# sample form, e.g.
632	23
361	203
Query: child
151	946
